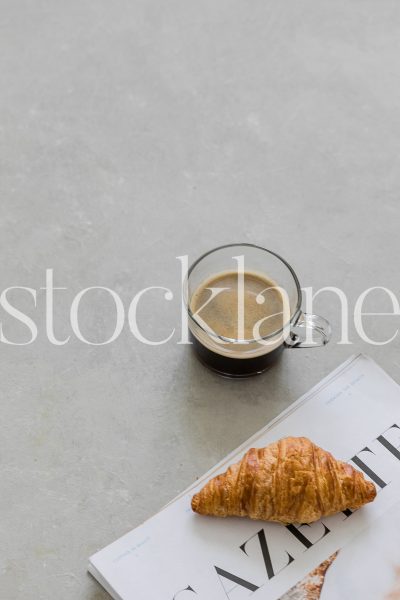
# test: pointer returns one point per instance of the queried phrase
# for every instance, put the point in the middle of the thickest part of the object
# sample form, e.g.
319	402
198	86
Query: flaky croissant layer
289	481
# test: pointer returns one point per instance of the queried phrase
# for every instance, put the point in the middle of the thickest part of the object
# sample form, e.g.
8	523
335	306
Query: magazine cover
180	555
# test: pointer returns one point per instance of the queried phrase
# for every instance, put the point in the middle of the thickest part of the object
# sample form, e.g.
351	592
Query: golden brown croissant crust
289	481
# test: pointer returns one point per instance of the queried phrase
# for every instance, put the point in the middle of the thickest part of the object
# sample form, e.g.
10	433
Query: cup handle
309	331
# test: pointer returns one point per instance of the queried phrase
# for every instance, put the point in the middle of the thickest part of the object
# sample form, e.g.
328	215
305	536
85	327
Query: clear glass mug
244	357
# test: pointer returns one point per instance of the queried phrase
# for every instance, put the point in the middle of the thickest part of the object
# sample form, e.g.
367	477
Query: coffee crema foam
221	313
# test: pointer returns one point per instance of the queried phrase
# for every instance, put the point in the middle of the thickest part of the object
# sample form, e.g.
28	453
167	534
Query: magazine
177	555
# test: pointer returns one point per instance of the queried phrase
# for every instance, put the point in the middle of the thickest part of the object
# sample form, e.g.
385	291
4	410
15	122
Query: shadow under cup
246	356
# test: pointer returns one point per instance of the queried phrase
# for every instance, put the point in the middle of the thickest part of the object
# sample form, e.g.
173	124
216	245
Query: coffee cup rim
293	319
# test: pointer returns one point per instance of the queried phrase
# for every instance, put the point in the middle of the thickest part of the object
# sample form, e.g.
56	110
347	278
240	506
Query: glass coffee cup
244	308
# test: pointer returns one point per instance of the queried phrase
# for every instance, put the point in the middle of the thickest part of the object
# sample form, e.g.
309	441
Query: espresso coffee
262	303
238	311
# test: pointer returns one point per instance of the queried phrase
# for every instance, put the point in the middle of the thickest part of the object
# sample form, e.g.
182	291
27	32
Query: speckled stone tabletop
133	132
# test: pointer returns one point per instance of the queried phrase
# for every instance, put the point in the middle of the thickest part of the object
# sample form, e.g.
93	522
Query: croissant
289	481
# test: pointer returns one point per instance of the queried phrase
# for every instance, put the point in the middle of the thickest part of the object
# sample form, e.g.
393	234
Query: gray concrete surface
133	132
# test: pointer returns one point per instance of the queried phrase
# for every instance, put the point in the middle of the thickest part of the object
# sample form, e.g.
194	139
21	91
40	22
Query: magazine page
178	554
367	567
